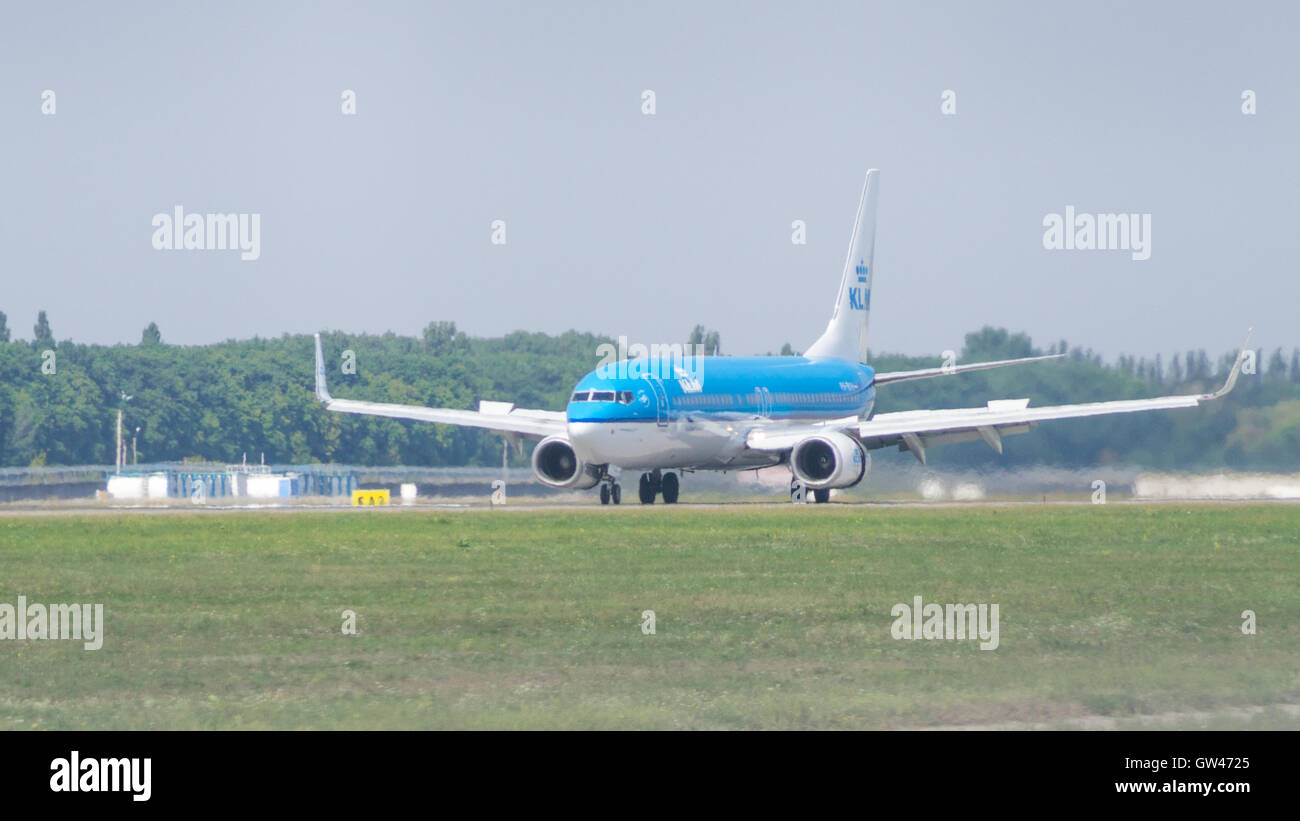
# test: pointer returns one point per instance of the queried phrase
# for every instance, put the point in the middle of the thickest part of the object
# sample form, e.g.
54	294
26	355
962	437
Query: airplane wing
501	417
926	373
917	430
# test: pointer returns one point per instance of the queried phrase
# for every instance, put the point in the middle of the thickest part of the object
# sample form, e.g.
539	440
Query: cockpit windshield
623	397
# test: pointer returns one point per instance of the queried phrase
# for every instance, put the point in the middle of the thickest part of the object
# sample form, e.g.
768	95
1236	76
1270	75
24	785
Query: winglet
322	392
1236	368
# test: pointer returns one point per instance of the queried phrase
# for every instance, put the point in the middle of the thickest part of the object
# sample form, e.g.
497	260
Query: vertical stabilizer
846	334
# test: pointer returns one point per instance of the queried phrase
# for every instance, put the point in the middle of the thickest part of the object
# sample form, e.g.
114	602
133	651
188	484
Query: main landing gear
799	494
655	484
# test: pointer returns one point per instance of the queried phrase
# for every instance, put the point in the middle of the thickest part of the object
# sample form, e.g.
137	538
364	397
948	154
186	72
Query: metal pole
120	456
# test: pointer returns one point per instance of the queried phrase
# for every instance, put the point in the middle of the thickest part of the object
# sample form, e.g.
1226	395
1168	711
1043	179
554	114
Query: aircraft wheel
604	494
670	488
647	489
616	493
798	493
822	495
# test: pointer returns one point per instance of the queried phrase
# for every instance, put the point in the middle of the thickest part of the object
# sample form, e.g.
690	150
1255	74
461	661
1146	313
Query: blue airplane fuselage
655	413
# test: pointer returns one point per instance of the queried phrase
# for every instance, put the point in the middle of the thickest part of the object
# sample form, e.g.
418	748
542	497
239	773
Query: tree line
255	397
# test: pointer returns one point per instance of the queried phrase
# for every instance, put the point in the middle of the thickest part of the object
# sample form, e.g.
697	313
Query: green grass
767	616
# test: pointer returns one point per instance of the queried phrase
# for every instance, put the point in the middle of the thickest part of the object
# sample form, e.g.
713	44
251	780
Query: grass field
766	617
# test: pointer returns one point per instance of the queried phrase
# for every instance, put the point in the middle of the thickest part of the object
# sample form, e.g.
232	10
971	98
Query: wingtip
1245	346
1236	369
322	390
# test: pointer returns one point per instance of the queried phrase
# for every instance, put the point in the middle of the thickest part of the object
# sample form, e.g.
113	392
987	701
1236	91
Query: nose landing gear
611	491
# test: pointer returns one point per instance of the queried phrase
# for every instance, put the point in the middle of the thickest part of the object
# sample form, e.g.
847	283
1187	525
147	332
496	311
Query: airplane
664	415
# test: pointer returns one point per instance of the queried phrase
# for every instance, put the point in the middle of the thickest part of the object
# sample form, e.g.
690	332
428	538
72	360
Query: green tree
711	341
4	327
442	338
151	335
1277	366
43	336
990	343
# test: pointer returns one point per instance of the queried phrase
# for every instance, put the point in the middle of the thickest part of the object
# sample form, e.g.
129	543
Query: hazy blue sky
645	225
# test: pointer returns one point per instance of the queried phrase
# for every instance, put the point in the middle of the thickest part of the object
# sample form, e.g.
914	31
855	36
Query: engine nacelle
557	465
829	460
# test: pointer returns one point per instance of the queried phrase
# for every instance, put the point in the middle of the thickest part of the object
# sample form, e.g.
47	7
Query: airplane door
764	402
661	401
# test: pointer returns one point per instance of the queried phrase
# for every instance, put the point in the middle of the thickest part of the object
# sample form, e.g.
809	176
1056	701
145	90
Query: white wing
919	429
927	373
502	417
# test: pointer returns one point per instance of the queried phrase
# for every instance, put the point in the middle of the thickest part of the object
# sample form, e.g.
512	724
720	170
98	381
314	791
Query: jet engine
556	465
829	460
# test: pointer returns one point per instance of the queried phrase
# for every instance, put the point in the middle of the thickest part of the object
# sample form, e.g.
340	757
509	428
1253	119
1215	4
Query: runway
476	506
